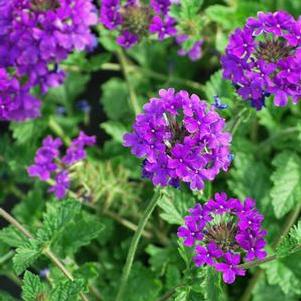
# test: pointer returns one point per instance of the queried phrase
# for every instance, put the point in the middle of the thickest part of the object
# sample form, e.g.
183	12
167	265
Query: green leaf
4	296
249	177
174	204
286	191
80	232
28	131
291	242
12	237
57	216
26	255
278	273
67	291
214	290
265	292
115	100
142	285
32	288
115	129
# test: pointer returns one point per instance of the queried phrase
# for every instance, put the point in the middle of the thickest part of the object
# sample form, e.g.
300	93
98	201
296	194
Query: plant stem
291	219
134	244
47	252
7	256
124	67
57	129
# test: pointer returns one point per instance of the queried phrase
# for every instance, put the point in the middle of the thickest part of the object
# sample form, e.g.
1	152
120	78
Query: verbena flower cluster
181	139
224	232
49	165
263	58
35	36
134	21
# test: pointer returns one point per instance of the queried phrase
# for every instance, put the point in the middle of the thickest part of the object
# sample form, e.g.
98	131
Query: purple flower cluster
181	139
195	52
263	58
35	36
224	232
48	164
135	21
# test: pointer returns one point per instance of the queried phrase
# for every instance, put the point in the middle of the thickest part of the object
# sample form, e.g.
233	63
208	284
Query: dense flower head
263	58
134	21
36	35
16	103
49	165
181	139
224	232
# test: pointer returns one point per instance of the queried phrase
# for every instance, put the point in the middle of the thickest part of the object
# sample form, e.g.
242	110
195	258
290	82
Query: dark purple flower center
136	19
178	131
273	50
223	234
44	5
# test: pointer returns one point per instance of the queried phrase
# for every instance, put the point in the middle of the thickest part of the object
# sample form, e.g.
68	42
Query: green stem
236	122
133	97
47	252
134	244
57	129
290	221
7	257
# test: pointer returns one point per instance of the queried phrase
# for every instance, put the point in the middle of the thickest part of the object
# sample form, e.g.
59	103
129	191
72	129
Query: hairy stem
47	252
133	97
134	244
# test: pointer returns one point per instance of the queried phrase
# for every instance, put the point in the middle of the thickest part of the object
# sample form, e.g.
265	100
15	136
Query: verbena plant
150	150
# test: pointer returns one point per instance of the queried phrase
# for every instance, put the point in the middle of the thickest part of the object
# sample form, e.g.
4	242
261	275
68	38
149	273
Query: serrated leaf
26	255
32	288
57	216
79	233
67	291
280	274
290	243
12	237
286	191
174	204
28	131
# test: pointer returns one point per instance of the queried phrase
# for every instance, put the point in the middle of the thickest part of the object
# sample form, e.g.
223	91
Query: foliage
90	231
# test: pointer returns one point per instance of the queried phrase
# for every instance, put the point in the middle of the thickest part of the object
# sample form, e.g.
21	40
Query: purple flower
229	268
35	36
207	255
76	151
181	138
192	232
261	59
160	6
48	163
44	159
222	232
61	186
163	27
127	40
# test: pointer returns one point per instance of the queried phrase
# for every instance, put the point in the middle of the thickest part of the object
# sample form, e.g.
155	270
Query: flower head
263	58
48	163
181	139
35	36
223	232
